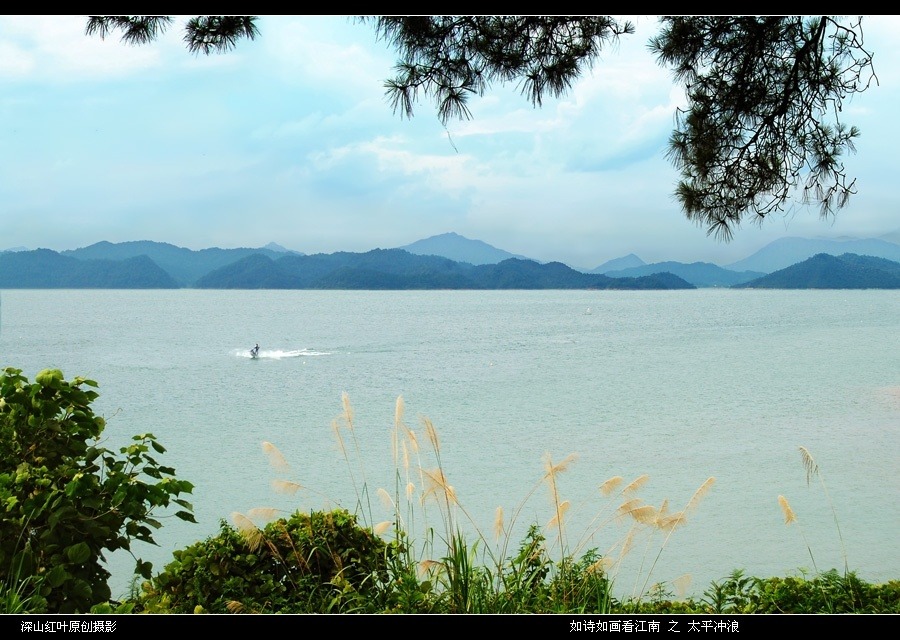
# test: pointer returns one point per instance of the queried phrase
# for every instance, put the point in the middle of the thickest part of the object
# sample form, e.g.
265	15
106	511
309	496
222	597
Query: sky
289	138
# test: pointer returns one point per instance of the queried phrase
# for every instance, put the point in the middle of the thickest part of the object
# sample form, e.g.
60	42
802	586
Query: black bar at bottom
554	625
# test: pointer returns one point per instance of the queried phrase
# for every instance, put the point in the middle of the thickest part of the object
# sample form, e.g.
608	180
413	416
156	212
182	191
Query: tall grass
447	561
430	555
825	581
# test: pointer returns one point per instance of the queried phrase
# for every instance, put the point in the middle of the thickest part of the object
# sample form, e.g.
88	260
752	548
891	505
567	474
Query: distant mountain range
785	252
825	271
700	274
376	269
471	264
460	249
184	265
46	269
625	262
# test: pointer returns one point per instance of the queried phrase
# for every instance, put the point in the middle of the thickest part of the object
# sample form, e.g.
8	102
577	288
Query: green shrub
65	500
318	562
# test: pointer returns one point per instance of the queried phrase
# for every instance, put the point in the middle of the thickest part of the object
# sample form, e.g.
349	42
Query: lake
679	385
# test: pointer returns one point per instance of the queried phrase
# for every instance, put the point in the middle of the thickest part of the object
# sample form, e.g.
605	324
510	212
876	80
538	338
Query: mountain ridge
825	271
187	267
461	249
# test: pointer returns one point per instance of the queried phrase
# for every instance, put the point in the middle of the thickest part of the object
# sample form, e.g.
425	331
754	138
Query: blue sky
290	139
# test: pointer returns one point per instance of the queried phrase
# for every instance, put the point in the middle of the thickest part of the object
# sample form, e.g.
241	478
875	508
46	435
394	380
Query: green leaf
78	553
144	569
57	575
49	377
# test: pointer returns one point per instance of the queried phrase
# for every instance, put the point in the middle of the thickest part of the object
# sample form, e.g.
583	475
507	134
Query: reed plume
438	486
646	514
398	425
611	485
561	509
498	523
276	459
790	518
248	530
789	515
262	513
381	527
286	486
431	432
670	523
812	469
551	471
361	490
386	499
681	585
636	484
348	410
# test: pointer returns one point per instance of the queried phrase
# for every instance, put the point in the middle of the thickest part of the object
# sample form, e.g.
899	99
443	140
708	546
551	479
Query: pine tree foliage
763	115
761	129
452	58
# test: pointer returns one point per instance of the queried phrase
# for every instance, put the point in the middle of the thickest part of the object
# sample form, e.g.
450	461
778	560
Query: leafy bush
318	562
65	500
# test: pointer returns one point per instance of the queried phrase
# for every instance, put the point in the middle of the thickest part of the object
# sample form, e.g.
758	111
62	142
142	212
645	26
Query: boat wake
278	354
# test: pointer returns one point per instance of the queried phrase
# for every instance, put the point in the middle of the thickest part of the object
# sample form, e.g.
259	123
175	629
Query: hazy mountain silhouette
825	271
425	267
699	274
456	247
185	265
785	252
399	269
616	264
46	269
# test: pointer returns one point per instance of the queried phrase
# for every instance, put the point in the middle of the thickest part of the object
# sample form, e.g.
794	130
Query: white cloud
58	49
328	50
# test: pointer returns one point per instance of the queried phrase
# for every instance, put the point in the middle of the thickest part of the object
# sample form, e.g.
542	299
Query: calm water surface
681	386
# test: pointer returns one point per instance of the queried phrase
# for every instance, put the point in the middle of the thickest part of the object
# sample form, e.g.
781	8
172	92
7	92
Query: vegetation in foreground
64	501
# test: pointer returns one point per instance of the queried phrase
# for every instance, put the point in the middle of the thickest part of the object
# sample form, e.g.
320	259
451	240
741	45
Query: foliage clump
65	500
317	562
